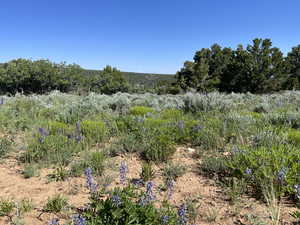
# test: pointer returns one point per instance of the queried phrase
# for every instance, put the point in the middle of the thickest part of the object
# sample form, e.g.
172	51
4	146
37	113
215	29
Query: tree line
41	76
257	68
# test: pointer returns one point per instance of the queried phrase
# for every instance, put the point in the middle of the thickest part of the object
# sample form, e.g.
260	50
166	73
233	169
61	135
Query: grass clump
6	207
148	172
56	204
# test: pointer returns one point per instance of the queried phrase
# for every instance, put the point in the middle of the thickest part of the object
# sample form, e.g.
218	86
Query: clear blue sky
140	35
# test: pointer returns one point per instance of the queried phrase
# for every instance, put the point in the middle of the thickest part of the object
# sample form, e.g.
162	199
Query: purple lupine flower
123	172
170	188
297	190
248	171
138	182
43	132
116	200
92	186
165	219
78	127
1	101
181	125
149	195
78	138
182	214
54	221
79	220
197	128
281	175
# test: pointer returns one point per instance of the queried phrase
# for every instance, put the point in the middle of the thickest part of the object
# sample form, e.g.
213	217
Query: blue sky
154	36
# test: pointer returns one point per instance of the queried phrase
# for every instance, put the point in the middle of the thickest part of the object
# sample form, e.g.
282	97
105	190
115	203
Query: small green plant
147	173
56	204
140	110
59	128
30	170
159	148
212	215
60	174
294	137
6	207
25	206
94	131
5	146
172	171
213	165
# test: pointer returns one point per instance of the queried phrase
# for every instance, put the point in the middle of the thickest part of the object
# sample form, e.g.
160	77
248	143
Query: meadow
150	159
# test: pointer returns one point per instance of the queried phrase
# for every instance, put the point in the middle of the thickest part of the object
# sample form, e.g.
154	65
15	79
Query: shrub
159	148
140	110
125	144
172	114
93	131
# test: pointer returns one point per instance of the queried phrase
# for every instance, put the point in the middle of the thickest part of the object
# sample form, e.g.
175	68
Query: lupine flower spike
92	186
79	220
123	172
182	214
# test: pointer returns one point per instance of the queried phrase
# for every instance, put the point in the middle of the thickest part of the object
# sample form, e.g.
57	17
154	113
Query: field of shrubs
150	159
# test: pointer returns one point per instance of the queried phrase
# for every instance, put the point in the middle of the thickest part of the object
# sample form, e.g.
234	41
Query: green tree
293	63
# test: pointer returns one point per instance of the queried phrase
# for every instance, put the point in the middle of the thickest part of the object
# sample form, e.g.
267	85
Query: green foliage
277	165
30	170
123	207
294	137
6	207
172	171
58	128
56	204
141	110
212	165
159	148
94	160
94	131
52	149
59	174
5	146
147	173
258	68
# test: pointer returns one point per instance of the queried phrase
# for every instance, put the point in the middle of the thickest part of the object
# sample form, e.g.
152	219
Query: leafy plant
172	171
6	207
147	173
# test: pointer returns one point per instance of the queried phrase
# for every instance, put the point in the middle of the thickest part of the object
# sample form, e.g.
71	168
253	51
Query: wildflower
170	187
138	182
123	172
248	171
297	190
149	195
78	127
43	132
181	125
92	186
197	128
54	221
79	220
1	101
281	175
116	200
165	219
182	214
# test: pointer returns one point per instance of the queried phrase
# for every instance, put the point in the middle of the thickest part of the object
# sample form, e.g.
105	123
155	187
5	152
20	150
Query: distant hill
146	79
